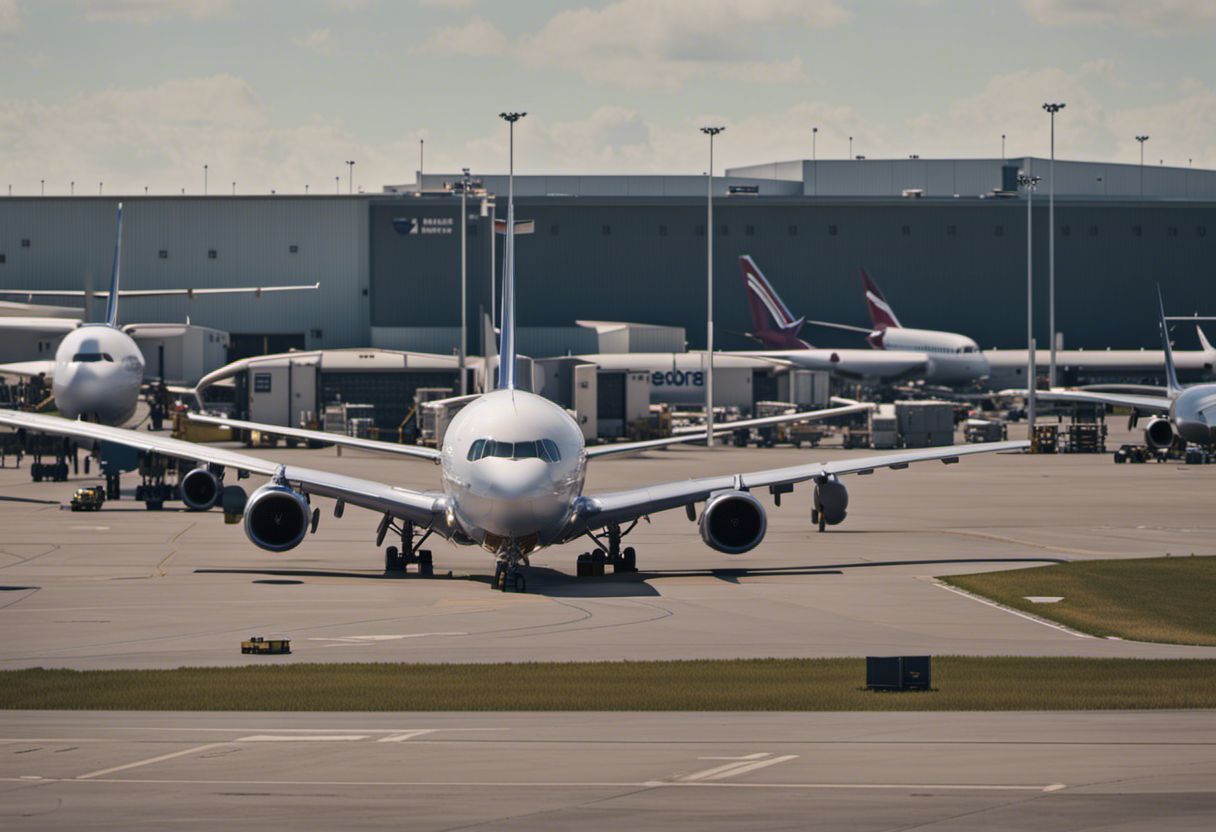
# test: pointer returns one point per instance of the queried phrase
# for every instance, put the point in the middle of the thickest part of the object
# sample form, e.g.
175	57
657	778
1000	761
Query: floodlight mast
1052	109
709	292
506	352
1030	183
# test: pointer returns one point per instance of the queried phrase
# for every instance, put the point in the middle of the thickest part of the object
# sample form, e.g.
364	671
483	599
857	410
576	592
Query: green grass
1170	600
961	683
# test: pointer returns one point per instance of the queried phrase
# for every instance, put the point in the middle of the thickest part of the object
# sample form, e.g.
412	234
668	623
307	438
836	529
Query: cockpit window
89	357
545	449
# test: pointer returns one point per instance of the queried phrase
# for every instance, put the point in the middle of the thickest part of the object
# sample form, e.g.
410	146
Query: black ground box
898	672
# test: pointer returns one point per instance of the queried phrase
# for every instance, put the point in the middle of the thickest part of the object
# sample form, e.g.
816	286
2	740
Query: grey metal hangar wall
943	263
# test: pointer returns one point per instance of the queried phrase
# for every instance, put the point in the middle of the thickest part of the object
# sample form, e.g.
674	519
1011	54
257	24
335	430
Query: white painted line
1011	611
408	735
753	766
195	750
759	756
1044	599
373	639
303	738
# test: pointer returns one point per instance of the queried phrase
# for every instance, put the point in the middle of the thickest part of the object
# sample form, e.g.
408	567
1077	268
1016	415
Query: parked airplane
938	357
98	369
1186	412
513	467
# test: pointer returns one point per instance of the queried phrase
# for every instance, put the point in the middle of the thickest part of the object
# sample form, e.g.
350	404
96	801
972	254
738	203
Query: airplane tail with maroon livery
881	314
772	322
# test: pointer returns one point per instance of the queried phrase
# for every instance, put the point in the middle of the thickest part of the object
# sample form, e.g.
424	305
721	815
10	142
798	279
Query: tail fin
1171	374
1204	343
881	314
772	320
112	300
506	338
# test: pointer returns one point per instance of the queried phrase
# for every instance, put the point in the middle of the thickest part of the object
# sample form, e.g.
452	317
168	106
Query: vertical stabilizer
112	300
772	322
1171	374
1204	343
881	314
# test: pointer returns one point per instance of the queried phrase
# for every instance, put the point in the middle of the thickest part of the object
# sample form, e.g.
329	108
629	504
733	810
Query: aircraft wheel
521	585
392	560
629	559
823	522
426	564
154	505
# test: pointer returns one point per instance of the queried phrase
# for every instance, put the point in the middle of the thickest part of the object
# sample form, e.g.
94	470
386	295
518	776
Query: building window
3	259
951	230
906	230
163	254
25	243
700	231
1201	231
293	249
833	231
662	230
749	230
212	254
1172	231
998	231
606	230
316	334
1066	230
792	231
1093	231
1137	231
724	230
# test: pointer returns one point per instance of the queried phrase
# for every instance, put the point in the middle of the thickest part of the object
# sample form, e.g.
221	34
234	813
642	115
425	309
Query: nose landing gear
507	574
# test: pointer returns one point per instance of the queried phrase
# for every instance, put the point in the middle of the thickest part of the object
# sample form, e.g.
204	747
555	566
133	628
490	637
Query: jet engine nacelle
201	489
733	522
831	501
1159	433
277	518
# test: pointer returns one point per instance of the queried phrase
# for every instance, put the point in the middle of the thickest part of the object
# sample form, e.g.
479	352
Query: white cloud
152	11
319	41
476	36
446	4
647	45
10	16
1157	16
1180	128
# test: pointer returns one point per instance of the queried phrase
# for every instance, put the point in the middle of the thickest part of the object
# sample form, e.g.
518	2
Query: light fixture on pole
1142	140
350	167
709	292
814	167
850	147
507	319
1003	146
205	166
99	186
234	187
72	187
1052	109
421	160
1030	183
464	279
42	184
337	184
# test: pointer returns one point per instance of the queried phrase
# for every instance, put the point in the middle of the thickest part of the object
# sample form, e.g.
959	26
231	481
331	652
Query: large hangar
945	239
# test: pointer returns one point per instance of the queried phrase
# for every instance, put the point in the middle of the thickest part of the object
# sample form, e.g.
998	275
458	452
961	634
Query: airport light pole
814	166
1052	109
1142	140
850	147
709	291
464	279
421	160
72	187
1029	183
205	166
350	167
1003	146
508	255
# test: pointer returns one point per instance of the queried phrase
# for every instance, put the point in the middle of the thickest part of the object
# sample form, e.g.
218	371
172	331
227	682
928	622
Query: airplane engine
277	518
1159	433
831	501
733	522
201	489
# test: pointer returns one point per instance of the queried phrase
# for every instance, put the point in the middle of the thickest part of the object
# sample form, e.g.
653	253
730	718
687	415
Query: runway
124	587
875	771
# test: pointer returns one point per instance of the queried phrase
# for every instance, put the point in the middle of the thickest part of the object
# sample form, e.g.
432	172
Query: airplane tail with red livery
881	314
772	322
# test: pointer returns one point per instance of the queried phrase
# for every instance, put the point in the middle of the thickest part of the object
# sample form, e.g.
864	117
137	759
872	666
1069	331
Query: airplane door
268	395
586	399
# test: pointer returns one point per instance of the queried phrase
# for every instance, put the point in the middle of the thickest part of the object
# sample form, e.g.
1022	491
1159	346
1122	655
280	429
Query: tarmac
695	771
129	588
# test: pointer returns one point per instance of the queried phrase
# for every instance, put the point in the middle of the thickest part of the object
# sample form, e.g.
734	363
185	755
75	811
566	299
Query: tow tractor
89	498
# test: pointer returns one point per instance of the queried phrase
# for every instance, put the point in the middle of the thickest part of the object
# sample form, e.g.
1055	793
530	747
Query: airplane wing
411	451
596	511
39	326
28	368
161	293
1154	404
422	508
694	434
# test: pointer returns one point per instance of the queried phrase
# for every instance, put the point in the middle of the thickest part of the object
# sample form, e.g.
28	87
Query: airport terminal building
946	239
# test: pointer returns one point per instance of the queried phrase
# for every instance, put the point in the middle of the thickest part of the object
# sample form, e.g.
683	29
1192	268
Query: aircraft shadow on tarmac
543	580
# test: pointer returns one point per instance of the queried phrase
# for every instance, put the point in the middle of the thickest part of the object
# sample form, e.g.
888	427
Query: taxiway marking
302	738
739	766
138	763
1010	610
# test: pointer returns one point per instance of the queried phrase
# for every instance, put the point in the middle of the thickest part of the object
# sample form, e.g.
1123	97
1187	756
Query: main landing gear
398	560
591	564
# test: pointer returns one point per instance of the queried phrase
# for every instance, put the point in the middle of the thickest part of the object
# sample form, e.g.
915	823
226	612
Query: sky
279	94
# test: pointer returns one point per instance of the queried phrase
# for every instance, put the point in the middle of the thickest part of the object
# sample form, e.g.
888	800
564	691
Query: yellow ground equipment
266	646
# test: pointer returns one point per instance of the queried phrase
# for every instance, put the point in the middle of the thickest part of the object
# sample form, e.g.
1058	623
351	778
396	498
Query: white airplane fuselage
953	358
98	373
1193	412
513	466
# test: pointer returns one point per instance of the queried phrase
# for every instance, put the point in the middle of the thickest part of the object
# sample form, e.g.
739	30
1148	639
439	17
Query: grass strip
960	683
1171	599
